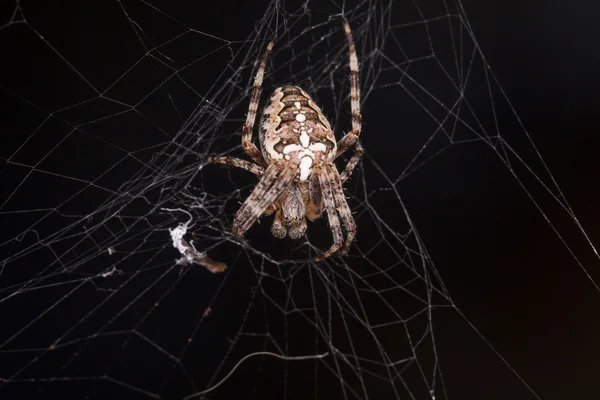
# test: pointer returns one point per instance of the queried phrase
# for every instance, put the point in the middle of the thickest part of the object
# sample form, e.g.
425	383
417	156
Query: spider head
290	218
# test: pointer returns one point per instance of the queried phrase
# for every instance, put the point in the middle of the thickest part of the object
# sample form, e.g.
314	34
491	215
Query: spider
298	177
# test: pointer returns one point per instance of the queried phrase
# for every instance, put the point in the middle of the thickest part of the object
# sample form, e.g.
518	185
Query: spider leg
334	222
342	206
238	162
249	147
271	209
315	198
247	165
358	152
276	179
351	137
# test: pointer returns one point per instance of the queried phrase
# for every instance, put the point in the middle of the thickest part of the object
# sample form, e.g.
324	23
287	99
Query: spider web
110	112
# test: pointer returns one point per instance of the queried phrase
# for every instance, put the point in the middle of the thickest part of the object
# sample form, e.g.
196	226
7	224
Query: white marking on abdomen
291	147
306	156
305	165
270	147
304	139
317	147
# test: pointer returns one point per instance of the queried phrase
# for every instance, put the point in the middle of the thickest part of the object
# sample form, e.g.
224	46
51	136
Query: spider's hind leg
249	147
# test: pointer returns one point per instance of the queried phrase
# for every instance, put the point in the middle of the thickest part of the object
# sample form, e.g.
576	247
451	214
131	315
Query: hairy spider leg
334	222
277	178
351	137
249	147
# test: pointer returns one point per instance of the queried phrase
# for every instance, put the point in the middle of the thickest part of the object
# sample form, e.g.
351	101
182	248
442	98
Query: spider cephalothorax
298	177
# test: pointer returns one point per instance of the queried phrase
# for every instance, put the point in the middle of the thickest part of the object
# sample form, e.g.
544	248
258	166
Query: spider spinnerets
298	177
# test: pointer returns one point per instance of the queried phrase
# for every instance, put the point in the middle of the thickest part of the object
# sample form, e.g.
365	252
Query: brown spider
298	177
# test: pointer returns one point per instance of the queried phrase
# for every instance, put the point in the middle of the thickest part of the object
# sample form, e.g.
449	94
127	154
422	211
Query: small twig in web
189	252
191	256
258	353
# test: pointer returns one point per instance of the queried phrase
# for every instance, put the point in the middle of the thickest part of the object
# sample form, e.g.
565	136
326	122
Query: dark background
506	269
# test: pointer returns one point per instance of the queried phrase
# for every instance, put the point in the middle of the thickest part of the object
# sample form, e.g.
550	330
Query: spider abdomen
294	129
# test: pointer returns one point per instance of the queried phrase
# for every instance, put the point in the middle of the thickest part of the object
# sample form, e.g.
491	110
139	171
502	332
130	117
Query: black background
506	269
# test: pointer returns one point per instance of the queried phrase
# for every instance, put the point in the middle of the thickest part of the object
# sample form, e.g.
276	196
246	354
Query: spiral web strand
111	216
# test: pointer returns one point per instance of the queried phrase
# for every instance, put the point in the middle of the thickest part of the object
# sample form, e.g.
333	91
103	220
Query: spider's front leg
325	188
276	179
333	177
332	194
314	198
